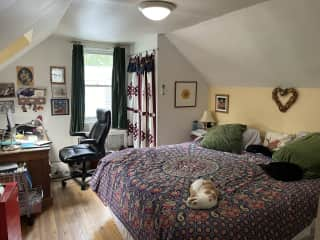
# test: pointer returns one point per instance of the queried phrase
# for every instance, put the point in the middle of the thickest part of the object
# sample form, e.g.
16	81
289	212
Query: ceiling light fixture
156	10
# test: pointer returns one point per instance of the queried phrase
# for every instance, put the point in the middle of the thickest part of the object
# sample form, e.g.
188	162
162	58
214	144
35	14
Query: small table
198	133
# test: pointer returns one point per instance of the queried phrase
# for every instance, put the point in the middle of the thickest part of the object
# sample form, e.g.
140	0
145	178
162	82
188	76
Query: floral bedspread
146	190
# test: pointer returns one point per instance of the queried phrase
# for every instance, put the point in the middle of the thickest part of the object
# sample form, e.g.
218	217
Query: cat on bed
203	194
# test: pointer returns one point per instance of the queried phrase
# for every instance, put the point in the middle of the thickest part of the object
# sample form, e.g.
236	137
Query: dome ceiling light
156	10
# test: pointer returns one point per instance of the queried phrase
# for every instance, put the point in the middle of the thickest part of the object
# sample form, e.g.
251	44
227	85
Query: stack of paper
1	189
8	167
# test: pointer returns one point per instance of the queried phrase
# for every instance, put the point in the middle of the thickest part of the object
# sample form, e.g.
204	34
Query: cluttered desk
28	144
23	136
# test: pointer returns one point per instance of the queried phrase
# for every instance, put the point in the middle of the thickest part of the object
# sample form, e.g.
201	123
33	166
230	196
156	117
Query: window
98	82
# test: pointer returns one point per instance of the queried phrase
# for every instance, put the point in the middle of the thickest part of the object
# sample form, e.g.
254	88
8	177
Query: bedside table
198	133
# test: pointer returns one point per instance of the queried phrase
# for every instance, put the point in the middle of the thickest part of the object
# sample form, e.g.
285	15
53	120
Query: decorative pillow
251	137
301	134
226	138
274	140
304	152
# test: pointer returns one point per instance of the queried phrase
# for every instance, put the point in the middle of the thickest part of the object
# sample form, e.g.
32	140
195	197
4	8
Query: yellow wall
255	107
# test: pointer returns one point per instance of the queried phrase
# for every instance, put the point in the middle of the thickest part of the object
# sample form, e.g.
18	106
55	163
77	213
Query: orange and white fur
203	194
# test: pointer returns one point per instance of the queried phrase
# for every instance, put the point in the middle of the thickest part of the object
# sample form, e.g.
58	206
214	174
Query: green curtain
78	90
119	89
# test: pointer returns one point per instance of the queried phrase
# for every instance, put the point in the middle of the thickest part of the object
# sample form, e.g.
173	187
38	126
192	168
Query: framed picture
59	91
39	92
59	107
222	103
185	94
7	90
58	75
5	105
25	76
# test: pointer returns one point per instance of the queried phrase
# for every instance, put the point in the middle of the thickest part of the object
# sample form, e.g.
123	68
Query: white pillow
251	137
276	140
301	134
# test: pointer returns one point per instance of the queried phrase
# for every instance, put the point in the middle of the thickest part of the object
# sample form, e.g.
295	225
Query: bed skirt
125	234
306	234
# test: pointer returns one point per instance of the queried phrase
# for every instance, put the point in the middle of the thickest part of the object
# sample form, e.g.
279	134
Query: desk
37	160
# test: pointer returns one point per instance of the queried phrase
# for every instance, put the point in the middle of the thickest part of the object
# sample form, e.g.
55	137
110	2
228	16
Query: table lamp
207	118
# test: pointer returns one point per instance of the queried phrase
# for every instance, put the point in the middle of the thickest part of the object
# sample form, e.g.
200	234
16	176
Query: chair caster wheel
30	221
63	184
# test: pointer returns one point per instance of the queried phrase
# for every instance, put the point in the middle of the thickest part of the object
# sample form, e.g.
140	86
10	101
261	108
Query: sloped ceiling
21	16
120	20
272	43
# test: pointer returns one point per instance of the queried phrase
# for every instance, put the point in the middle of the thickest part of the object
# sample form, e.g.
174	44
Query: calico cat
203	194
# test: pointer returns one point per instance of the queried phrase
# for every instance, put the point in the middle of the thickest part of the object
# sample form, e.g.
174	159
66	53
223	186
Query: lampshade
156	10
207	117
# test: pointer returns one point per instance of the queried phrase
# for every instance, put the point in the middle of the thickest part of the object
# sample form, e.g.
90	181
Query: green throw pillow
226	138
305	152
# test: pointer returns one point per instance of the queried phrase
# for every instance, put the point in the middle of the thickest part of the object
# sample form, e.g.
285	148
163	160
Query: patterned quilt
146	189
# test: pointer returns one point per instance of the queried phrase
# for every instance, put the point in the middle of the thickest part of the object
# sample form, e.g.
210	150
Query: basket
30	198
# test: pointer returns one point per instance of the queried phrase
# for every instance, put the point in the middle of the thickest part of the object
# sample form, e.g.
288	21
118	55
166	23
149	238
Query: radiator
117	139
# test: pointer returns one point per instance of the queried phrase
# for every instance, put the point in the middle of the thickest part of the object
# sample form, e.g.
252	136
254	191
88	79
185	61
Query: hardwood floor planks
75	214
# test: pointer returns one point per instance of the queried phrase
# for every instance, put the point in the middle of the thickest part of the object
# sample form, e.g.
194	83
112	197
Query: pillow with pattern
275	140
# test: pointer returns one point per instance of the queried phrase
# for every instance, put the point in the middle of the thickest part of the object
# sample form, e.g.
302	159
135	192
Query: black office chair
90	148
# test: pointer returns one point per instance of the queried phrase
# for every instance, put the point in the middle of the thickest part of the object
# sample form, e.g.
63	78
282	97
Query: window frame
98	51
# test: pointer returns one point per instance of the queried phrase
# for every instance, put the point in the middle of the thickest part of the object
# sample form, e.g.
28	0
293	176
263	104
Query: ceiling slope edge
42	28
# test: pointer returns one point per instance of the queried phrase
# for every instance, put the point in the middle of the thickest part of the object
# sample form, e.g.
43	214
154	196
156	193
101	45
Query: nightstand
197	133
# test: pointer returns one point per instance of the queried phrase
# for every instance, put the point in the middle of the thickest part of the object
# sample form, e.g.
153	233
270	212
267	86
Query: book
29	145
43	142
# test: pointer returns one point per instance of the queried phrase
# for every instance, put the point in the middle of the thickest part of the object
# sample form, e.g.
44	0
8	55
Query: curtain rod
86	42
145	51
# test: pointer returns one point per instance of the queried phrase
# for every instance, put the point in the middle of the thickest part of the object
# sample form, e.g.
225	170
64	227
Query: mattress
146	190
305	234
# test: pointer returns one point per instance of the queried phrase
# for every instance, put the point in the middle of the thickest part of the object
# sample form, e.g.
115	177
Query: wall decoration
59	107
32	97
222	103
6	90
38	92
58	75
5	105
279	92
25	76
185	94
59	91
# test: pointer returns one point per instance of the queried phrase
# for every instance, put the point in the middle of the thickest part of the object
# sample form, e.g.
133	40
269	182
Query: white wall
274	43
146	42
174	124
52	52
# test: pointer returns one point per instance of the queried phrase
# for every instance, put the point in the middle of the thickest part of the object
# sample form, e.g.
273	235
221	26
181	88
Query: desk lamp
206	119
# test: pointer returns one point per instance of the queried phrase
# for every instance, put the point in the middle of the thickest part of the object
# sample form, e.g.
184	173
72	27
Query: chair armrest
81	134
88	141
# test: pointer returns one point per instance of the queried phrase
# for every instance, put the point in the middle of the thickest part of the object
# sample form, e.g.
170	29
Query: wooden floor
75	215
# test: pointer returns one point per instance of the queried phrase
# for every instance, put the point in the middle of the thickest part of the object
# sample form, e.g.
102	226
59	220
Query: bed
146	189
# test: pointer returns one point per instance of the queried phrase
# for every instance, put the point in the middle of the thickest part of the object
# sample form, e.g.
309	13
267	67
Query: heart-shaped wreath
277	92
